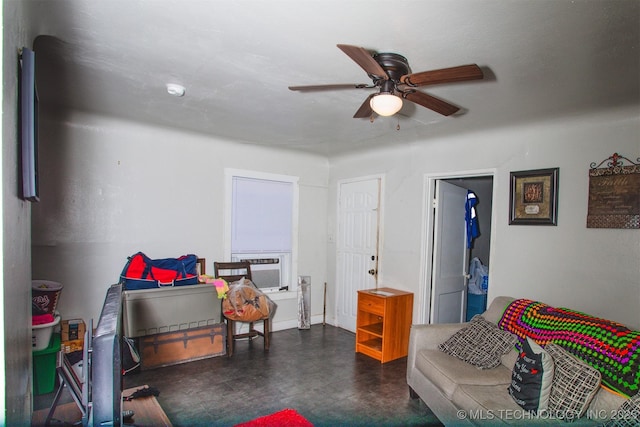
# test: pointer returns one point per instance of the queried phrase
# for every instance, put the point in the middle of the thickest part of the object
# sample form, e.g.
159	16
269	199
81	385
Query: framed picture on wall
533	197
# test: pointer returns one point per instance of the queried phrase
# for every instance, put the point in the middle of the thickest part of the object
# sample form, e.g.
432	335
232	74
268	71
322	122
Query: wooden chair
236	271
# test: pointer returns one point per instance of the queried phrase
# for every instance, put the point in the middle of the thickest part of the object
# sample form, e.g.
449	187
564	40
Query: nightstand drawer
370	303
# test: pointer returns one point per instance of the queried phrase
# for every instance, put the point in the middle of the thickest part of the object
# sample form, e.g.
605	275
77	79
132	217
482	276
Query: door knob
372	272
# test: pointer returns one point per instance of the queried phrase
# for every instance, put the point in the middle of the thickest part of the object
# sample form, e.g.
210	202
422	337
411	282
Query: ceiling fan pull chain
398	125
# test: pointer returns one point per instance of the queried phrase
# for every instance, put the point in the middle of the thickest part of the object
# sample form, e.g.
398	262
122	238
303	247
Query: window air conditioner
267	270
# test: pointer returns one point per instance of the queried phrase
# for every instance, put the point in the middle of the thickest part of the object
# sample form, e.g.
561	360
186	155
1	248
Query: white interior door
357	245
450	256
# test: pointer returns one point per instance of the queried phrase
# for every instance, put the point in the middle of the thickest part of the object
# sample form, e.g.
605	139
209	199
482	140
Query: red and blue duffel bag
142	272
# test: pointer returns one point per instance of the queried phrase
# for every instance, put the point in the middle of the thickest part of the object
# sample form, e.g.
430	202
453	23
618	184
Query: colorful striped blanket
610	347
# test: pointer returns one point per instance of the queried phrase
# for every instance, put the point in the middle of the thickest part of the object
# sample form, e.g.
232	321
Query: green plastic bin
44	367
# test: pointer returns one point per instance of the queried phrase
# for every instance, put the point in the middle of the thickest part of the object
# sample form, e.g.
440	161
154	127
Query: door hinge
434	203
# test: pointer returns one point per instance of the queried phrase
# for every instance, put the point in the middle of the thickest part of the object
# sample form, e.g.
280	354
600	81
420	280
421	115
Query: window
262	226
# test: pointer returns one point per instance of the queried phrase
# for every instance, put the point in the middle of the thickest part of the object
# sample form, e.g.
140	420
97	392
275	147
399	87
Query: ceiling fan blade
445	75
363	58
365	109
431	102
316	88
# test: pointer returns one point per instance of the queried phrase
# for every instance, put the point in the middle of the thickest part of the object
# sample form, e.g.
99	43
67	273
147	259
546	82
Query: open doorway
444	295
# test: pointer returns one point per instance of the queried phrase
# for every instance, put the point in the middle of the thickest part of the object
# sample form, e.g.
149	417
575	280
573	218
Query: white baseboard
281	325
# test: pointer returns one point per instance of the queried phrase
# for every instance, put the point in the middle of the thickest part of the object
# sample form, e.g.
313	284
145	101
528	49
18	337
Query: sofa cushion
574	384
496	309
532	377
474	397
628	415
509	359
604	404
447	372
480	343
487	405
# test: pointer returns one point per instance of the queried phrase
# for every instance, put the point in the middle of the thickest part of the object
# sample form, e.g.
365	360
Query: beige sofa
461	394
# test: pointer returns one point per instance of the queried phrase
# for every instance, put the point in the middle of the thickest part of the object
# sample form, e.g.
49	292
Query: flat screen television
98	391
28	130
106	363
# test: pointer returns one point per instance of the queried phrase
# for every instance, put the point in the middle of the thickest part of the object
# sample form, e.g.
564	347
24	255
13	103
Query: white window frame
289	277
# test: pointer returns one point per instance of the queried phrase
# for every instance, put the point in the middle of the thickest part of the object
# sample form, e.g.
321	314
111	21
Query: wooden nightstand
383	322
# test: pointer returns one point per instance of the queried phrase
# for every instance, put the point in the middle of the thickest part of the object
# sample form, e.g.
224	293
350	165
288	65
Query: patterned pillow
574	384
628	415
532	377
481	343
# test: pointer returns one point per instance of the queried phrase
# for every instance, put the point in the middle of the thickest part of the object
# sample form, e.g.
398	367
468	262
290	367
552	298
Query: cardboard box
72	345
73	329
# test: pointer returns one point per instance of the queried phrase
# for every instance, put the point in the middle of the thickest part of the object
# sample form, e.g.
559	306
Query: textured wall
16	229
112	188
593	270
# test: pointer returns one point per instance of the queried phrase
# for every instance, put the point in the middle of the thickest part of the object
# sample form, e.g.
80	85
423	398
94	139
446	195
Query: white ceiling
542	59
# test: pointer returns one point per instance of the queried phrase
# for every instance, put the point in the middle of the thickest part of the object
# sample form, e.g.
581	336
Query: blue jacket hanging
471	218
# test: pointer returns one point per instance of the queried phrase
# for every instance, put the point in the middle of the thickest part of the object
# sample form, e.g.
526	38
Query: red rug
284	418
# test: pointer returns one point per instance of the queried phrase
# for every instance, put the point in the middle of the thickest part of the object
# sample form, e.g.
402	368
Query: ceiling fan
390	73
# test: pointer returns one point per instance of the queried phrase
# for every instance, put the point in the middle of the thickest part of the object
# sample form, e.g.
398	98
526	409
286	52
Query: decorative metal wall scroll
614	193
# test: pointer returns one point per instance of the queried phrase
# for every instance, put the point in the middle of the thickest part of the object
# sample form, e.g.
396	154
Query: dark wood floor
314	371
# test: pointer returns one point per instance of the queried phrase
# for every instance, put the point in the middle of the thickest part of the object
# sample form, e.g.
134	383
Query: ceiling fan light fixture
385	104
